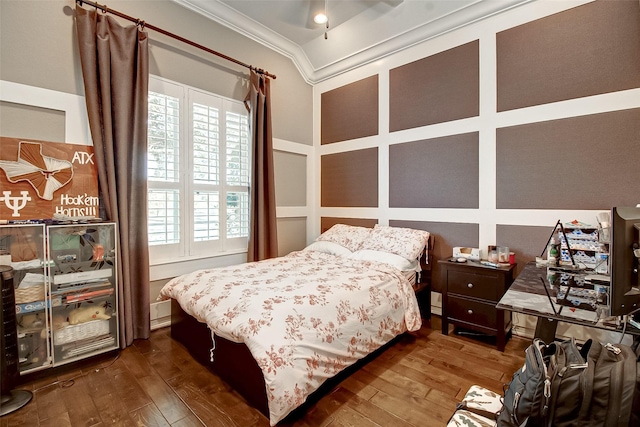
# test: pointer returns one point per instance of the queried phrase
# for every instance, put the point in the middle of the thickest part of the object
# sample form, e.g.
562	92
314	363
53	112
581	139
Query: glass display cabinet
22	248
65	281
82	290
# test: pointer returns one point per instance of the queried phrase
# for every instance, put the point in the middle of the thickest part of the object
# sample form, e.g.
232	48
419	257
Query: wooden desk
527	295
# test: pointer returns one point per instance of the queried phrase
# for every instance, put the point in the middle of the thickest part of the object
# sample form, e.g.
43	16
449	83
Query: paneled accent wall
326	223
588	50
448	235
350	111
446	168
527	242
293	175
350	178
491	133
18	119
291	178
292	234
586	162
436	89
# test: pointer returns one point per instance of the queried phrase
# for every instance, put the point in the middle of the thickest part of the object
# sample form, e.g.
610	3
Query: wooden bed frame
235	365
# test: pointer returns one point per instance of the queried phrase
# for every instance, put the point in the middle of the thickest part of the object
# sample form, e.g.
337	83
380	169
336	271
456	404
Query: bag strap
542	353
558	365
621	390
487	414
586	379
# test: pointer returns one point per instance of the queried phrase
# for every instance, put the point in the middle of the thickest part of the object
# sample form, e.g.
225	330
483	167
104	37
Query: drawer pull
470	311
469	285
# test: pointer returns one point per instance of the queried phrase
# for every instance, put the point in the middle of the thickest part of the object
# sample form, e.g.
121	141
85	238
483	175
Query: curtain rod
143	24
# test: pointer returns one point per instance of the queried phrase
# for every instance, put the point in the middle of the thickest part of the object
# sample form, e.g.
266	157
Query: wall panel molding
350	112
586	162
435	173
587	50
436	89
350	179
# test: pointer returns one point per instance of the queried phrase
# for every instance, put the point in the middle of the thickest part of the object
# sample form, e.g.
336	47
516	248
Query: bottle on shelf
553	253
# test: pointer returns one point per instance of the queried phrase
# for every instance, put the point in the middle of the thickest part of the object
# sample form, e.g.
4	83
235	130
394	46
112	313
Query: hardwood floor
155	382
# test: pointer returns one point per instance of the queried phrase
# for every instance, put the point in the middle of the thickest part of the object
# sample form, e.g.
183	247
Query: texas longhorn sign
40	179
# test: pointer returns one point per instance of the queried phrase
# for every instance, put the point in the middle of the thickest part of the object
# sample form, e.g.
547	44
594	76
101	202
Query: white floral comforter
304	317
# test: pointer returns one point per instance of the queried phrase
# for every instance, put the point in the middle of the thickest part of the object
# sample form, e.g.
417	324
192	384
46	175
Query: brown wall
446	167
350	179
350	111
580	161
328	222
436	89
586	162
587	50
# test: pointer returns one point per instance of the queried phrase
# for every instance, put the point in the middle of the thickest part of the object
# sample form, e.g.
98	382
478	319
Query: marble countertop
527	295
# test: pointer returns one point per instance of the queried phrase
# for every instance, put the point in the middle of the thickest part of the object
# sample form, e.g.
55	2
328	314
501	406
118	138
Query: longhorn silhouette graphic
45	174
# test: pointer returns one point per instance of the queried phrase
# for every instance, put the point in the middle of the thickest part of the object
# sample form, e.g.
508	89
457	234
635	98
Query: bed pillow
328	248
397	261
406	242
349	236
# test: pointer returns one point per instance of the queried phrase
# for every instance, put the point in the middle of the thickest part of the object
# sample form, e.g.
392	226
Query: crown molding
230	18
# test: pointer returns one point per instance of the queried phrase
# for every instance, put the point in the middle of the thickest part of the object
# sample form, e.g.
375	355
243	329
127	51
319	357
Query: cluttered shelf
589	276
552	295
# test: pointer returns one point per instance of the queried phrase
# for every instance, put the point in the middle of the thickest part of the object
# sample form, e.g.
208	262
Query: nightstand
470	292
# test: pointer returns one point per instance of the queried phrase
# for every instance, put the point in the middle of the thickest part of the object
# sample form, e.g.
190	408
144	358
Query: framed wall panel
349	179
349	112
292	234
588	50
436	89
328	222
291	178
435	173
447	235
587	162
18	119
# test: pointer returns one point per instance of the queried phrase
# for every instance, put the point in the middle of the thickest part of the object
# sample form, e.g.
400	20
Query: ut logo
82	158
15	203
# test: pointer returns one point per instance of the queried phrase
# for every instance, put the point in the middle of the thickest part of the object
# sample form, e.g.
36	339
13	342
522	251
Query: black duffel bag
563	384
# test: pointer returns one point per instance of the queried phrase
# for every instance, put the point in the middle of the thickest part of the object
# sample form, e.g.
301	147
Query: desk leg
546	329
501	336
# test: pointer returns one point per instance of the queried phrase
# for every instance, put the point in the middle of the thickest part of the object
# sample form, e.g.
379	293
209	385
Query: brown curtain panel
263	233
115	67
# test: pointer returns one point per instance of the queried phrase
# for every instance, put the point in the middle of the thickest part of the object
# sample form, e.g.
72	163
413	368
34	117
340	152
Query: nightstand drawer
474	284
471	311
469	296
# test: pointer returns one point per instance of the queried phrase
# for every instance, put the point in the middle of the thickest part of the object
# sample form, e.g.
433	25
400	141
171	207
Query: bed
280	330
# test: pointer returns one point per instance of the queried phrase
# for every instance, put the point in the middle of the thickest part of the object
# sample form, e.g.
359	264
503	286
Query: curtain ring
141	24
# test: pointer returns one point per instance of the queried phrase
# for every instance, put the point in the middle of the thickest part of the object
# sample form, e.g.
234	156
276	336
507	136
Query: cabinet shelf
77	265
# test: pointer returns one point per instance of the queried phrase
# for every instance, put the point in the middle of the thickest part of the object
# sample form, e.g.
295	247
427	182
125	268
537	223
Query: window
198	171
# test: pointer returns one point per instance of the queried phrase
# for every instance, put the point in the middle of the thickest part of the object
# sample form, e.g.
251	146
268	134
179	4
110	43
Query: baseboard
160	314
